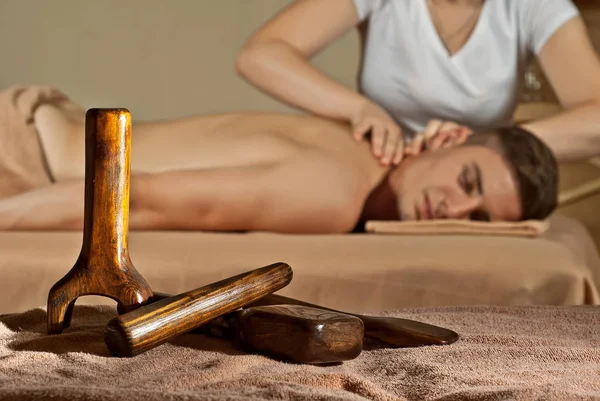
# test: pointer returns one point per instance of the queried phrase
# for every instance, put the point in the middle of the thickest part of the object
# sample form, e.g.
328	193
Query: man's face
464	182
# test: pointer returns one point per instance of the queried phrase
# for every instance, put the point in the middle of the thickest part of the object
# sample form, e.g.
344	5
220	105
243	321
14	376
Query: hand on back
387	140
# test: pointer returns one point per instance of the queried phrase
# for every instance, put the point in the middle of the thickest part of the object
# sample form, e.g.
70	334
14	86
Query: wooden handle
151	325
107	176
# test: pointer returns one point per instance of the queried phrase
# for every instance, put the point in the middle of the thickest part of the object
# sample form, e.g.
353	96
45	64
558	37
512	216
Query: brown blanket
516	353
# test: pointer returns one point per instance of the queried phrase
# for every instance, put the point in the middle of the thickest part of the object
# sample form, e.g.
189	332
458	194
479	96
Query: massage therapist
432	71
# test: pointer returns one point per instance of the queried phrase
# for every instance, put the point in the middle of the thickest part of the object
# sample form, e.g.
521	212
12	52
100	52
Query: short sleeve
365	8
541	18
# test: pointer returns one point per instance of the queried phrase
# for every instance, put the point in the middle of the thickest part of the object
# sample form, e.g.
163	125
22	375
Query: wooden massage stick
288	332
153	324
103	266
390	331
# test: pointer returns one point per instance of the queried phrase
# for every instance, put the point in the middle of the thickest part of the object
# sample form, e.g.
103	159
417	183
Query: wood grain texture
296	333
153	324
390	331
291	333
103	267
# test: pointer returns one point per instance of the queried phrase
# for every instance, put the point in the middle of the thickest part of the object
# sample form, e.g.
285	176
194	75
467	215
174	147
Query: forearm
54	207
573	134
60	207
282	72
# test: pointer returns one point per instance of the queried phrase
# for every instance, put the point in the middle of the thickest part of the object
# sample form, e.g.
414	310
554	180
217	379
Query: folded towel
23	165
504	353
528	228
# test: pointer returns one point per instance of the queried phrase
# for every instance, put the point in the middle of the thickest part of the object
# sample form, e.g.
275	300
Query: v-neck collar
436	36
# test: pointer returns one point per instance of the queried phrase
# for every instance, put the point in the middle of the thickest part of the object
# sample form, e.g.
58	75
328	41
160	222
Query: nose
463	208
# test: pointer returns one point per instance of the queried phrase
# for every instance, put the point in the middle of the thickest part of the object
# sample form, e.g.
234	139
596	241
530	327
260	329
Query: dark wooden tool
148	326
103	266
391	331
289	332
297	333
292	333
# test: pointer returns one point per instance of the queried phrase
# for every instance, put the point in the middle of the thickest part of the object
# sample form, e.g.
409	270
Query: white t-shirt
407	70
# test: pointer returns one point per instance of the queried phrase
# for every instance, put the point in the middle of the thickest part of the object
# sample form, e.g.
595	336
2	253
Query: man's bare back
239	164
225	140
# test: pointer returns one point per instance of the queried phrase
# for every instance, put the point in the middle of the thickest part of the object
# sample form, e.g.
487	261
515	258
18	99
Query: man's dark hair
533	165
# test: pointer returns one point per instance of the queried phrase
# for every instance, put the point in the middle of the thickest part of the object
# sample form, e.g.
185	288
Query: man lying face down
289	174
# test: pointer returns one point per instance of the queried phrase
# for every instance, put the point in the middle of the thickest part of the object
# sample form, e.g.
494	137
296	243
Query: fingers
433	127
361	130
442	139
386	140
378	139
393	150
456	137
463	134
445	131
422	139
438	134
416	145
399	155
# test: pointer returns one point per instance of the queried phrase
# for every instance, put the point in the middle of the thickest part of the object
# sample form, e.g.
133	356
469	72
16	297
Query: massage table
366	272
362	272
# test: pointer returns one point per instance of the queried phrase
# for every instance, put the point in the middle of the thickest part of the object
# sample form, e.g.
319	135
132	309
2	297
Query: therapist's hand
436	135
387	140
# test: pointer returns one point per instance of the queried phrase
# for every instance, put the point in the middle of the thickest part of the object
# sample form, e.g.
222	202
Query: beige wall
169	58
158	58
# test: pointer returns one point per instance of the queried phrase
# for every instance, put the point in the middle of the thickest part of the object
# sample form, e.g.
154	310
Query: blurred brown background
164	59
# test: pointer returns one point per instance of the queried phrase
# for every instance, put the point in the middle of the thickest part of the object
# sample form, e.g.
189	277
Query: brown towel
529	228
22	161
505	353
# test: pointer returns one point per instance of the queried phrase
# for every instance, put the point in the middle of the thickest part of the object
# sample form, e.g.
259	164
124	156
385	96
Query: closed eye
471	182
470	179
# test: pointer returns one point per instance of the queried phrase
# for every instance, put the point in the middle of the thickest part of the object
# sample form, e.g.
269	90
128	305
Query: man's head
504	175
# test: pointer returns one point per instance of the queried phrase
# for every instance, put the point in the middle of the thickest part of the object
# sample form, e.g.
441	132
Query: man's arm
60	207
54	207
